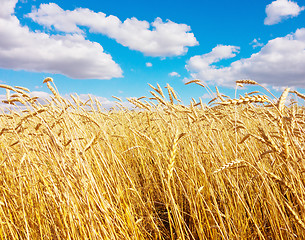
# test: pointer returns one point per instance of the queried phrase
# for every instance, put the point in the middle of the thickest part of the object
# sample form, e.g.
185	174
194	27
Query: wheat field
230	169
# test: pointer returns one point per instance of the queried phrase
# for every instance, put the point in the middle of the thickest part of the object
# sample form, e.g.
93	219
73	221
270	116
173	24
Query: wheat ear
281	102
23	88
247	99
169	93
252	82
48	79
246	81
231	165
117	98
173	152
192	81
7	87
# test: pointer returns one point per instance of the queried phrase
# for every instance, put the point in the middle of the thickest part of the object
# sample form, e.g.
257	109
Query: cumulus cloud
71	54
174	74
281	9
148	64
41	94
280	62
207	96
7	8
157	39
255	43
201	65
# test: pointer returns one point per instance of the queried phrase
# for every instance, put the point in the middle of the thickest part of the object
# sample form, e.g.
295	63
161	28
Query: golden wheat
295	215
7	87
48	79
192	81
117	98
73	170
22	88
246	81
247	99
282	99
230	165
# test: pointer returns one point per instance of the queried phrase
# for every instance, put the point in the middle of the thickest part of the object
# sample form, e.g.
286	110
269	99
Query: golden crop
163	170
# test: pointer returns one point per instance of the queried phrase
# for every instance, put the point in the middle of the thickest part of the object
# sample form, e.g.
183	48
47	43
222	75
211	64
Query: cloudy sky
116	47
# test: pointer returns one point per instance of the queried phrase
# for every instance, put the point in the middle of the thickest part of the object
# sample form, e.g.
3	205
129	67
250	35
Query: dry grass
167	171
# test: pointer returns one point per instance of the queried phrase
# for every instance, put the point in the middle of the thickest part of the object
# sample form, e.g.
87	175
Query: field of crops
232	169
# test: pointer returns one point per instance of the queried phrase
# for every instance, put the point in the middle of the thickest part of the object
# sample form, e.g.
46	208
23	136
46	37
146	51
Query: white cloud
40	94
7	8
71	55
202	68
158	39
255	43
281	9
148	64
281	88
206	96
185	79
280	62
174	74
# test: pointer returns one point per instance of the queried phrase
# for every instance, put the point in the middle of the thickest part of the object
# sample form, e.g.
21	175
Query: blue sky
107	48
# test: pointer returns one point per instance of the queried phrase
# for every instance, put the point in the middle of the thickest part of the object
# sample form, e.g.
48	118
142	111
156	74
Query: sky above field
106	48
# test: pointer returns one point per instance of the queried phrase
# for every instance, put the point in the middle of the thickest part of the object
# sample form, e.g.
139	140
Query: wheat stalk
286	185
52	89
219	95
8	94
295	215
